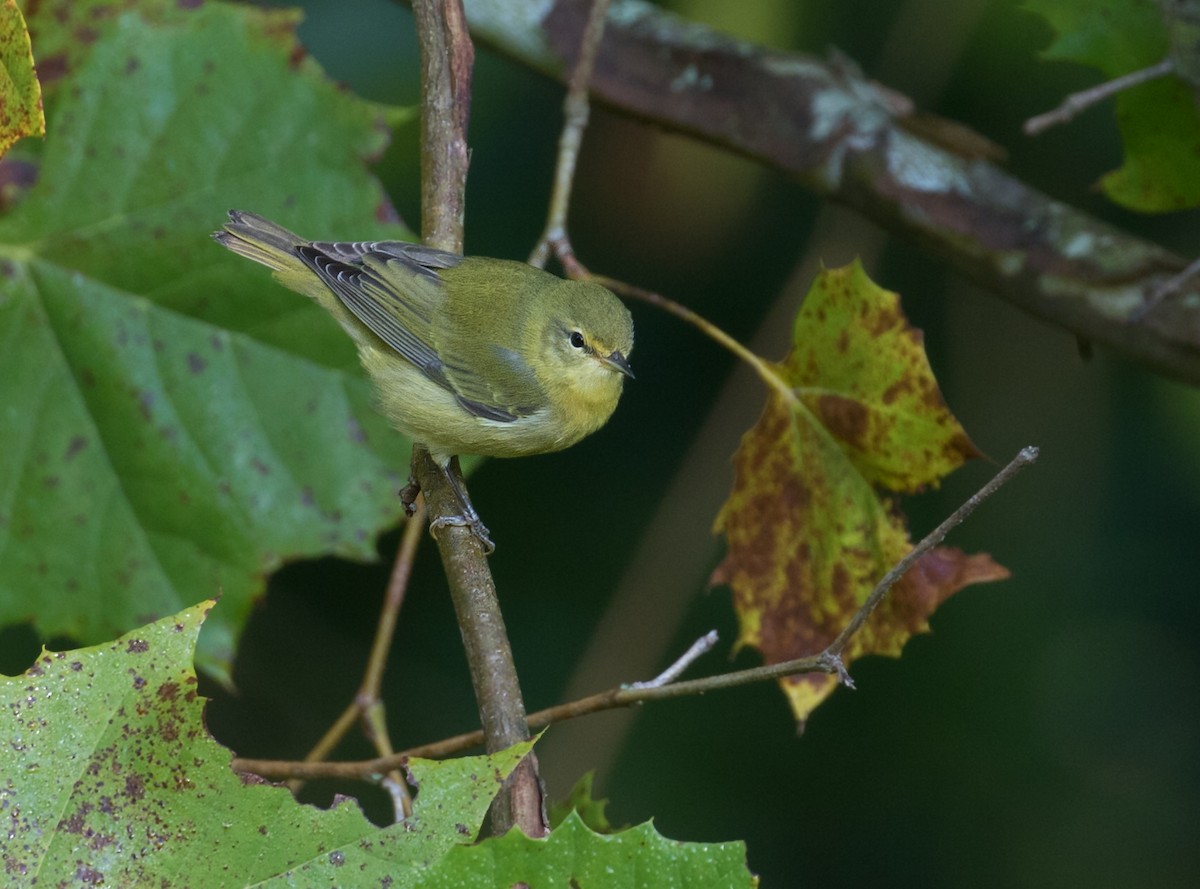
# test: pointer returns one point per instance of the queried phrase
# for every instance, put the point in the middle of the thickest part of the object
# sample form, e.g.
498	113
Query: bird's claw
460	521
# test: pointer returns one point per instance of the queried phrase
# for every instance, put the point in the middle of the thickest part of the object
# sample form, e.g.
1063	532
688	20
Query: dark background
1045	733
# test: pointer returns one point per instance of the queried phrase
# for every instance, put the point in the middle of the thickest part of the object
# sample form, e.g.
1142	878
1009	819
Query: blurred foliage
1159	120
581	801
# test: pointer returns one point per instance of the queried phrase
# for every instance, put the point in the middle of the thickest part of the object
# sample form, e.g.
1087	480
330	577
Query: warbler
468	355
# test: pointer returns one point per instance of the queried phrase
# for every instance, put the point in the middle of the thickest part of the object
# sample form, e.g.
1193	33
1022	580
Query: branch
1076	103
848	139
446	60
367	705
1025	457
663	687
447	57
575	112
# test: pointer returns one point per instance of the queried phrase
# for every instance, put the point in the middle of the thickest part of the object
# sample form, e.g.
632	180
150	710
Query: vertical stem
368	704
447	57
446	60
489	655
575	112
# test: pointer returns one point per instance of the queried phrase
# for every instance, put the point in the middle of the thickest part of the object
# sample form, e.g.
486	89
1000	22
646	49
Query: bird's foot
471	521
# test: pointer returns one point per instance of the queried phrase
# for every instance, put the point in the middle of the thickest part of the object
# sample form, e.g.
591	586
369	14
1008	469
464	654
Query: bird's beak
619	363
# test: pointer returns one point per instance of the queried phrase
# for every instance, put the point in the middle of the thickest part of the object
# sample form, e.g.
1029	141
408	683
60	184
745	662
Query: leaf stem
575	112
765	369
1076	103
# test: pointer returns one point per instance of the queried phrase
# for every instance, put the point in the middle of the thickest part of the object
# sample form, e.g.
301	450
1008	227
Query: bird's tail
275	247
262	241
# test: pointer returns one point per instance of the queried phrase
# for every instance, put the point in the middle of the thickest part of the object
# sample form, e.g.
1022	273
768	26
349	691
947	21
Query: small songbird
468	355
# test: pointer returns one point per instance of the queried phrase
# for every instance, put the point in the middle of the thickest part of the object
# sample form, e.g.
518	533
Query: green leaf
1160	126
108	777
1117	36
638	858
590	809
20	93
1159	120
176	424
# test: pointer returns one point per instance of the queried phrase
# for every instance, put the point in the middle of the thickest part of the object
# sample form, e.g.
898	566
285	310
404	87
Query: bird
468	355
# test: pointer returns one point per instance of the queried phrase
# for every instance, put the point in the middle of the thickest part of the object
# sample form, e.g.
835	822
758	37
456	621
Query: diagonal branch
851	140
1076	103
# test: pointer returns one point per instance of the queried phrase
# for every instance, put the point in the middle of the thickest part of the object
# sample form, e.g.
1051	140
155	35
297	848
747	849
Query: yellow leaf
20	94
808	532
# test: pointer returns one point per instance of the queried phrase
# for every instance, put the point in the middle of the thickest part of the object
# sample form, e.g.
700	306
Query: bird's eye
577	339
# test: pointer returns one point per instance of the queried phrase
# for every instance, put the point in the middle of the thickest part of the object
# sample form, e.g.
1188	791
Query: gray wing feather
417	257
362	292
352	271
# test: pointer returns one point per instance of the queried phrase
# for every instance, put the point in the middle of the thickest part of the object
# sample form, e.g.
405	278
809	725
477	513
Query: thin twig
369	698
575	111
1172	285
828	661
698	649
393	599
1076	103
397	789
332	737
761	366
1024	458
367	705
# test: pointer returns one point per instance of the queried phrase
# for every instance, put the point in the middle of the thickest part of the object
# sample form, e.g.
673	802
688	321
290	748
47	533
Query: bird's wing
498	384
489	379
415	257
393	288
398	307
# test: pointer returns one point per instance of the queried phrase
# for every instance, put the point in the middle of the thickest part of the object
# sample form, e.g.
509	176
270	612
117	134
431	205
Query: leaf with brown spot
124	777
808	532
20	93
177	425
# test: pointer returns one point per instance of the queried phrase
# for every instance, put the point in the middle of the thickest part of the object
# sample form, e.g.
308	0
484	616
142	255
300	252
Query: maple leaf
20	93
173	424
808	531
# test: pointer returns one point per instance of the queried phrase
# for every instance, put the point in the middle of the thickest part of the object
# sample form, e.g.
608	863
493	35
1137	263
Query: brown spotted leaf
176	426
808	532
108	777
20	94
